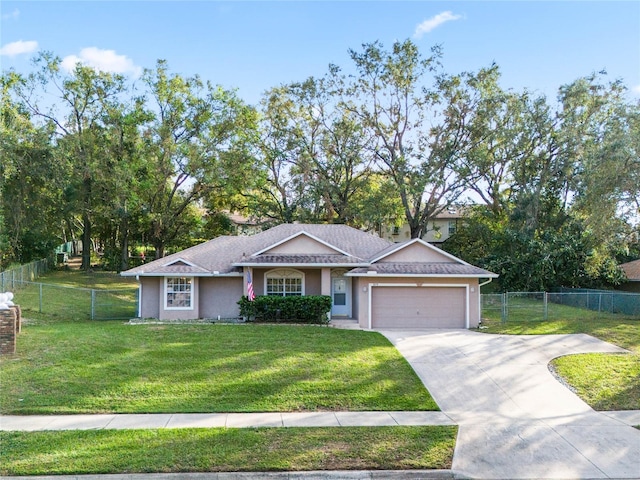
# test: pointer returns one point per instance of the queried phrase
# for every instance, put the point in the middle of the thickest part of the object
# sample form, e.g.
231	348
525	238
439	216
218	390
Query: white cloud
18	48
433	22
636	90
12	15
103	60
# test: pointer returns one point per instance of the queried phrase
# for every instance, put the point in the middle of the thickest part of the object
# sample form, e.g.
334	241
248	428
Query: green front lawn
219	450
95	367
604	381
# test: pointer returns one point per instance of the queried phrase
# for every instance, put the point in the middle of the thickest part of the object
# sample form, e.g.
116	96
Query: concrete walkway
515	419
229	420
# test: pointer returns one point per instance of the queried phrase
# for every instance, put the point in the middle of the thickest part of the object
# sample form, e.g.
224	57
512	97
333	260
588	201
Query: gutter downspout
139	296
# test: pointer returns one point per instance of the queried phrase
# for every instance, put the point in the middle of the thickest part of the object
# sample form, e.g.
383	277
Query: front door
340	296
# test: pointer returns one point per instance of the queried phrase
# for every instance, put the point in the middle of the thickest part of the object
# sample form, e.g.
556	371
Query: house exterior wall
416	253
438	231
302	245
150	296
356	292
219	297
180	314
362	302
312	279
630	286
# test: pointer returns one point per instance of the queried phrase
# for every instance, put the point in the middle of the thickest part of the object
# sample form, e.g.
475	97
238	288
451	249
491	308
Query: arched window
284	282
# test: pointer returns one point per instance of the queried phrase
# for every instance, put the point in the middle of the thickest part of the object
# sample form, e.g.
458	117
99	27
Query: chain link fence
569	303
625	303
14	278
76	303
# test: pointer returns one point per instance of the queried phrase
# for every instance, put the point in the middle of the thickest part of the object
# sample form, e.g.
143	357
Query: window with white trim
178	293
284	283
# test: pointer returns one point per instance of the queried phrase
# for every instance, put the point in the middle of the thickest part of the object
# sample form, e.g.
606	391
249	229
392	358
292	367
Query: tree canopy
390	138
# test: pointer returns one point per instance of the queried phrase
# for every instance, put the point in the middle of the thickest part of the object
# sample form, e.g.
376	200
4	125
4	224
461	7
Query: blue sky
255	45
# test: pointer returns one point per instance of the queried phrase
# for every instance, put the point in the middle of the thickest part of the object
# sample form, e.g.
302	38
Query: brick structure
18	311
8	332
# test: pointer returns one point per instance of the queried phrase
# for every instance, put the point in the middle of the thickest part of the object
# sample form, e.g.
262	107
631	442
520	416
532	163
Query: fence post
504	308
546	307
93	304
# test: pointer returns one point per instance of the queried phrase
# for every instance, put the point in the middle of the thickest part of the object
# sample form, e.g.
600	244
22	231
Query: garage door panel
418	307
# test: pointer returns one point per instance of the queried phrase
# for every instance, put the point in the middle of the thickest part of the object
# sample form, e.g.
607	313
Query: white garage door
418	307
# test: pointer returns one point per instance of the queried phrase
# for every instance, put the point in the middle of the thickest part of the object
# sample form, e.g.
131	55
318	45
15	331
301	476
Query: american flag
250	295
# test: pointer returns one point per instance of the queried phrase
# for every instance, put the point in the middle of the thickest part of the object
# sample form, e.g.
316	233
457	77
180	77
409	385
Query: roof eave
167	274
422	275
301	264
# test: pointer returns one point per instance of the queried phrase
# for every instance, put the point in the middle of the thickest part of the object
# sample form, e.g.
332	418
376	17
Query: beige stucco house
379	283
439	229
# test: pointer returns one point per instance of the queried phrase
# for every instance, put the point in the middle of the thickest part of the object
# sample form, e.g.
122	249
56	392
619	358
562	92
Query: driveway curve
516	420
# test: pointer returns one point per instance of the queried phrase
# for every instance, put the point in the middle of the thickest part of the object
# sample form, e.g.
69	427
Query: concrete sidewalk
32	423
313	475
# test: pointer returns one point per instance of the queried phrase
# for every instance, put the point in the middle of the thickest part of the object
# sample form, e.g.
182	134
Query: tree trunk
159	246
124	246
86	242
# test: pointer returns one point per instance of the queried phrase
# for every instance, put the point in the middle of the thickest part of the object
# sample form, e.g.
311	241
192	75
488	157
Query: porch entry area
340	294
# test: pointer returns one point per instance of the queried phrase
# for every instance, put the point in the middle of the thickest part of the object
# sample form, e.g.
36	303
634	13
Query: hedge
293	309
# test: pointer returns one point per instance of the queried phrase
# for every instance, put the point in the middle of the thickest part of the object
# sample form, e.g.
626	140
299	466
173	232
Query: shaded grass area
219	450
91	367
604	381
91	279
66	295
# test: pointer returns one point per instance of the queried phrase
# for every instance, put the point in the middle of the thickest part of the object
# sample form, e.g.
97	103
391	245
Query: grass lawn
98	367
91	279
113	296
219	449
67	364
604	381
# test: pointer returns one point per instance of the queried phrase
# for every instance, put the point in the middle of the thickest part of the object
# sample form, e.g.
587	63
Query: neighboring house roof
632	270
339	245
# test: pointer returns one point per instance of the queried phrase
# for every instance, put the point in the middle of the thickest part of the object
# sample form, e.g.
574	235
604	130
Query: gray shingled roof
426	269
302	259
220	254
225	254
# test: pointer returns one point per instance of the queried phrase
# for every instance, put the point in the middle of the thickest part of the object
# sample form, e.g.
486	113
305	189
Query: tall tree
280	193
82	99
334	160
30	181
198	143
418	116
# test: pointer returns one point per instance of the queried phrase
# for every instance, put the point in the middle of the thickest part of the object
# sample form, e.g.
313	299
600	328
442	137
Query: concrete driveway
516	420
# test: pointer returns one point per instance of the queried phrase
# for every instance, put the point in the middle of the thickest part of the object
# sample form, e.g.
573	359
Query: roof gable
179	262
301	243
416	251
